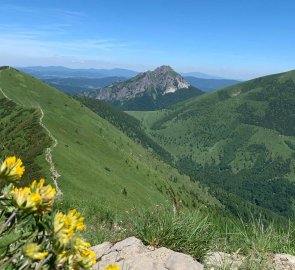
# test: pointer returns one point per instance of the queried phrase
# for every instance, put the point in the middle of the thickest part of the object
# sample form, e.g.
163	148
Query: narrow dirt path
4	94
48	152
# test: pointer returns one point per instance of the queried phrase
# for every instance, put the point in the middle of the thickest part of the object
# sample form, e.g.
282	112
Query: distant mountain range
148	90
76	85
63	72
42	72
208	85
74	81
200	75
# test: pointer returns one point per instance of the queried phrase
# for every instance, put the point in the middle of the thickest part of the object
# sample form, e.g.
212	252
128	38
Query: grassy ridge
96	160
240	139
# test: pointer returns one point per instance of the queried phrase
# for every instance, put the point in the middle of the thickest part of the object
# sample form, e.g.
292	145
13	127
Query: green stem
12	216
40	264
4	266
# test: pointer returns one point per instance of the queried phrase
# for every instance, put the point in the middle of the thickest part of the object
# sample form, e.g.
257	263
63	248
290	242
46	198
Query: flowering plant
32	235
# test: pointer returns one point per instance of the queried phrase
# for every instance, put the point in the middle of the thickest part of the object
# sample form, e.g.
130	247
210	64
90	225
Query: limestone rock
221	260
132	254
217	260
284	262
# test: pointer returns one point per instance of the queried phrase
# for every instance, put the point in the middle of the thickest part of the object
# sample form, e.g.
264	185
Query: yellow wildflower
77	257
74	217
37	197
32	251
26	199
84	256
112	267
62	257
21	195
46	193
58	222
62	232
80	244
33	201
66	225
12	169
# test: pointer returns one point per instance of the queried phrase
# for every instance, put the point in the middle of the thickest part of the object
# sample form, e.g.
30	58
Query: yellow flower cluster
64	249
37	197
66	225
11	169
47	194
85	257
74	251
32	251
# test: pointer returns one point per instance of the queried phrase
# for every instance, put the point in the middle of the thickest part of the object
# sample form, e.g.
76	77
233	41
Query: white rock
284	262
132	254
217	260
101	250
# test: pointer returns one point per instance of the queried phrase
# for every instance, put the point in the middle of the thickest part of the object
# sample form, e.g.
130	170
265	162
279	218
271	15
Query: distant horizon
114	68
139	71
218	75
237	40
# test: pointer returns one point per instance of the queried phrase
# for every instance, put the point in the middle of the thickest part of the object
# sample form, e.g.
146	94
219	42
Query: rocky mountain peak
164	69
159	82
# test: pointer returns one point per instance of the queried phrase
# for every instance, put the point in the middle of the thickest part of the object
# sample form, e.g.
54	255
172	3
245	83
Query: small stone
222	259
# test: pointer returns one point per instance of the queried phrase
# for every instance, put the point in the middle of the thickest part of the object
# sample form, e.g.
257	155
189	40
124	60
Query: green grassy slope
126	123
20	135
96	161
240	139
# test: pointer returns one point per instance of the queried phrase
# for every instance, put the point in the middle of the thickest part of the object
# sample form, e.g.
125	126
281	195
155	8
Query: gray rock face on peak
132	254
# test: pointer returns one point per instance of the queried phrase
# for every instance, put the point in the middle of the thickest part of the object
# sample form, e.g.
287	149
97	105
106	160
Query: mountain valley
239	139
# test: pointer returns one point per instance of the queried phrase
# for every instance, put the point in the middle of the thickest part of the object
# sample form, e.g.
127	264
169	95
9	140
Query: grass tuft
187	232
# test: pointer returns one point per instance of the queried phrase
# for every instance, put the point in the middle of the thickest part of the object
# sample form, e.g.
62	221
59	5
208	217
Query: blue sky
229	38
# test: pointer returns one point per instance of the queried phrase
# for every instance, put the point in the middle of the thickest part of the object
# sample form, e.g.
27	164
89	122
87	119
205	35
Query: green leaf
8	267
8	239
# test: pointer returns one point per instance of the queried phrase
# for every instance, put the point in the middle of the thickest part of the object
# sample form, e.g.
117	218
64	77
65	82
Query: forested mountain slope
240	139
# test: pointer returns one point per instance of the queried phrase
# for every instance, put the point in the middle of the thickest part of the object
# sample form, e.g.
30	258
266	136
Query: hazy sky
230	38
